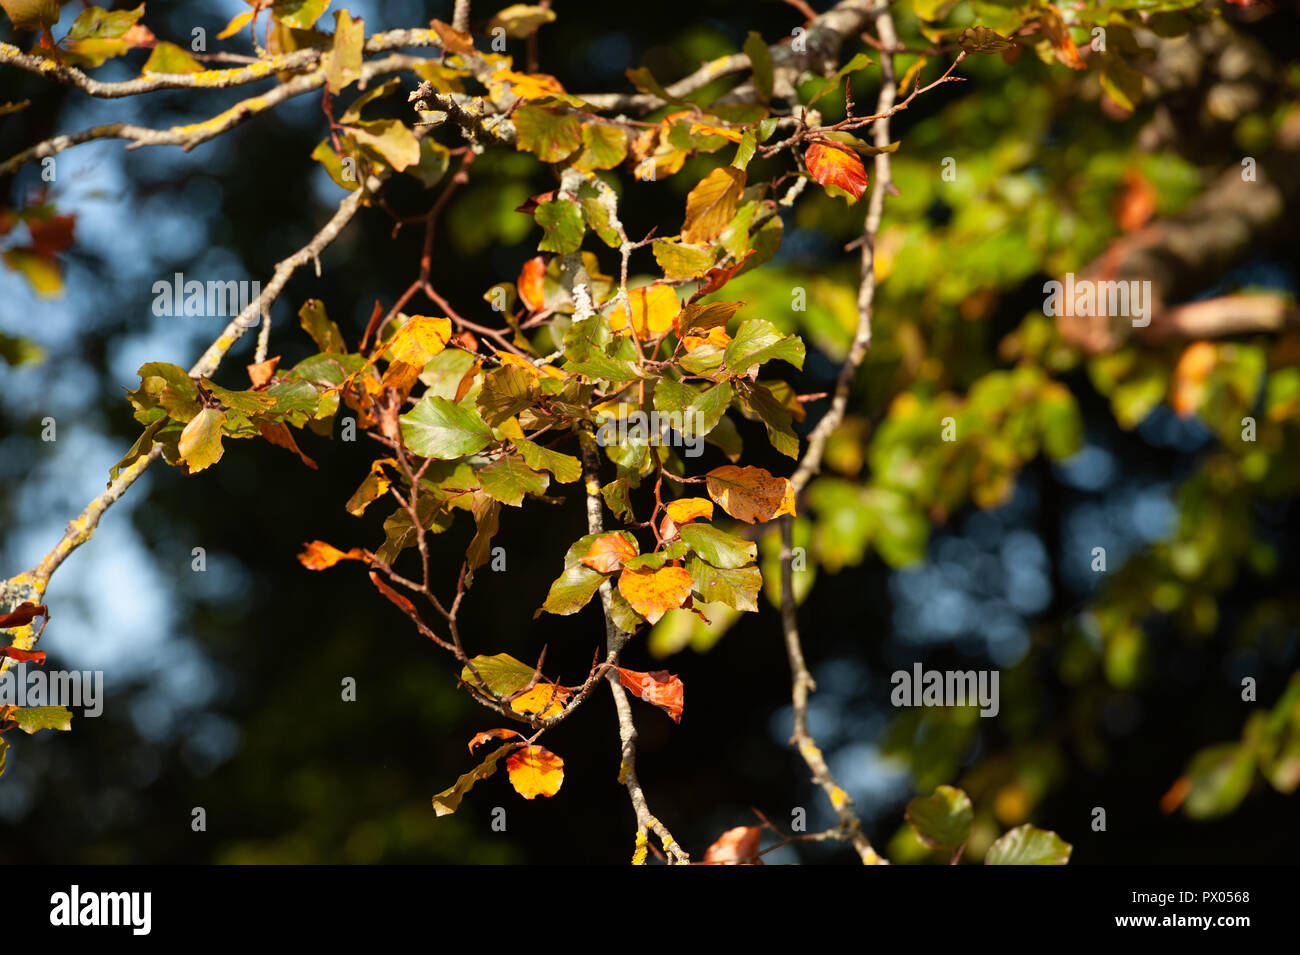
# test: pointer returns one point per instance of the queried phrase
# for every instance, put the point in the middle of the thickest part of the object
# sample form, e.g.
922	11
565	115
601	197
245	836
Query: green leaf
1028	845
561	219
448	801
31	719
602	367
773	413
170	58
434	160
571	591
323	332
438	428
1220	778
943	820
681	261
604	147
758	341
17	352
548	135
509	479
388	139
299	14
565	467
501	674
507	391
644	81
737	588
760	61
719	548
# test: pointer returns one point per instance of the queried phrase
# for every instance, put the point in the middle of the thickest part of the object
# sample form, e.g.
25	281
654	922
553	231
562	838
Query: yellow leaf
711	205
652	593
750	494
653	309
422	337
235	25
200	443
535	771
544	700
529	85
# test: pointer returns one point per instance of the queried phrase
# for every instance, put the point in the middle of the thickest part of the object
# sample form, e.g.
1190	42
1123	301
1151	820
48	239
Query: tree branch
850	827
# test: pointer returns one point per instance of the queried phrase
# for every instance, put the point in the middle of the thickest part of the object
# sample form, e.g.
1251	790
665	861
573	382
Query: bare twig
850	828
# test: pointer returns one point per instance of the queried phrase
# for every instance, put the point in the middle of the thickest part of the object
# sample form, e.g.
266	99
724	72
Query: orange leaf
653	309
535	771
260	374
453	40
658	687
608	552
320	555
750	494
22	656
481	738
835	165
683	511
1059	34
1190	374
1135	202
530	283
652	593
735	846
687	509
711	205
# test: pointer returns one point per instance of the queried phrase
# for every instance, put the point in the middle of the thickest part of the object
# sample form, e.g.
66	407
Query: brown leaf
453	40
280	435
750	494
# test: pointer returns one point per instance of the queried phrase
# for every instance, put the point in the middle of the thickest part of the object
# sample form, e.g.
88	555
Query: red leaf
22	615
22	656
659	687
402	603
833	164
717	277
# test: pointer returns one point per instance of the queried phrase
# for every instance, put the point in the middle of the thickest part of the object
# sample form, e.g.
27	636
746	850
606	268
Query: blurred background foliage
1121	686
